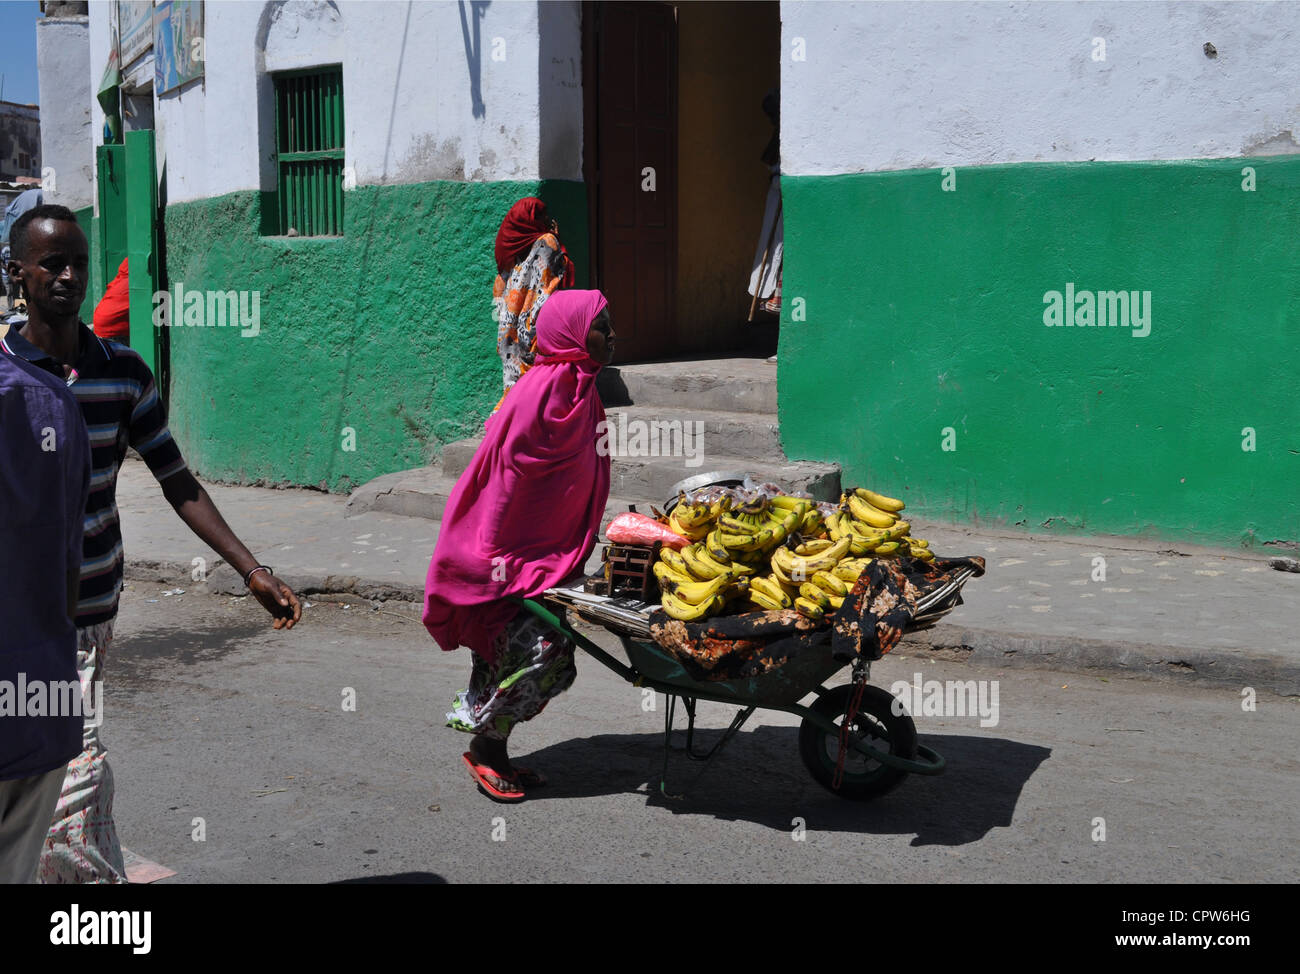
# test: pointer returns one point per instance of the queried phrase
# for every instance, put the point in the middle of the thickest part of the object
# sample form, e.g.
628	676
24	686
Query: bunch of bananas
692	521
777	554
872	524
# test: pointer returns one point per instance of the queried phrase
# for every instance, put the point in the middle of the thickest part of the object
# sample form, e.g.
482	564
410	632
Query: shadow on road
413	879
759	778
134	658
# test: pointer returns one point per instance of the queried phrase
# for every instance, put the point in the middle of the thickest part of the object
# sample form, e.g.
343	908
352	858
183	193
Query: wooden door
631	165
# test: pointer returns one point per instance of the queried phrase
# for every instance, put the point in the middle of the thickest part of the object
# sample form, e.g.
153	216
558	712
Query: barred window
309	151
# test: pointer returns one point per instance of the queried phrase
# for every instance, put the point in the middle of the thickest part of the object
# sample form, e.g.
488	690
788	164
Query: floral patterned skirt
533	664
82	845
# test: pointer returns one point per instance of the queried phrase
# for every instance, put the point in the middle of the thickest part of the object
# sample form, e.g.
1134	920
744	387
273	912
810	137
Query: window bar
330	131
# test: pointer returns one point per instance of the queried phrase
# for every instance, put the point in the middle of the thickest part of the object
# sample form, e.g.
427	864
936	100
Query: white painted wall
920	85
99	44
63	77
410	109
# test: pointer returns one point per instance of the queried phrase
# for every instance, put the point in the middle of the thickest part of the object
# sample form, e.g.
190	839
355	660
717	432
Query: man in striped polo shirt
121	407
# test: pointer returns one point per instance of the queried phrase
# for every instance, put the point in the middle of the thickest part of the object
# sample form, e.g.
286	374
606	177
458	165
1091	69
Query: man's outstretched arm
196	509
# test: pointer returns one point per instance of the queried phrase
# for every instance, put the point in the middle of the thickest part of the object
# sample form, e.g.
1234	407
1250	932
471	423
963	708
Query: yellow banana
802	569
925	554
812	547
836	601
770	588
809	609
714	546
830	584
899	531
890	505
780	574
887	550
867	532
686	612
698	566
767	537
787	503
812	522
739	542
690	515
697	593
733	567
674	560
733	523
764	602
814	594
790	588
696	533
669	580
848	571
867	514
918	542
719	507
837	525
859	546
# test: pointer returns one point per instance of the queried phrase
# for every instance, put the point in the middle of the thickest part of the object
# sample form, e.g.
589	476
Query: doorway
674	131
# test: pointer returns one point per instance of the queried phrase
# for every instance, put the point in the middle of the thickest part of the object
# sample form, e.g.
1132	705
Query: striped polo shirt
120	405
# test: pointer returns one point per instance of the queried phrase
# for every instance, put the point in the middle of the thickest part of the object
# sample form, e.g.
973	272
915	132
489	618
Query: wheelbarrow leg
689	704
668	747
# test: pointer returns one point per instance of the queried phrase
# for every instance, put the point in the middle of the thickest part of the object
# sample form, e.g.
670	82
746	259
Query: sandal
481	774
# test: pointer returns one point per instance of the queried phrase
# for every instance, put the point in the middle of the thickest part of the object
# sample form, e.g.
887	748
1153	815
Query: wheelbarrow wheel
864	777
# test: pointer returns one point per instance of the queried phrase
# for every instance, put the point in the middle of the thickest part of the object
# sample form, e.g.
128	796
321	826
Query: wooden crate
629	569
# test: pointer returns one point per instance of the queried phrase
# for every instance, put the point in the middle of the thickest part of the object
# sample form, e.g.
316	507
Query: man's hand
277	598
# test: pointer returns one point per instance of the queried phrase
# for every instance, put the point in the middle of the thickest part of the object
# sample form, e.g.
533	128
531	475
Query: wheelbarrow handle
546	616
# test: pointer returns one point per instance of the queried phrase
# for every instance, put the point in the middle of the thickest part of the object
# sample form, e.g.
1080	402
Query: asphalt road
211	715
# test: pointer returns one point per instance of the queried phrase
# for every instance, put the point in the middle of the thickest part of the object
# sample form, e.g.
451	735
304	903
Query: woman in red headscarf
523	517
531	265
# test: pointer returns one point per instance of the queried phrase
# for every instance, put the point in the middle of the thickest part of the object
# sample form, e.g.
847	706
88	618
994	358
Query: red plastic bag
633	528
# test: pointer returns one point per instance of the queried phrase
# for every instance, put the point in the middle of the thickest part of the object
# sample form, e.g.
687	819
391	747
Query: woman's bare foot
492	753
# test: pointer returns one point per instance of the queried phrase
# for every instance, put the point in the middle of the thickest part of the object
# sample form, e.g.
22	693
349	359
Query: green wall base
922	312
372	349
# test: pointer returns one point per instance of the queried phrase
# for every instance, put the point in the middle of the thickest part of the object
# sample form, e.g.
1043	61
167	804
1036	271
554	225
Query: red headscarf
519	231
526	513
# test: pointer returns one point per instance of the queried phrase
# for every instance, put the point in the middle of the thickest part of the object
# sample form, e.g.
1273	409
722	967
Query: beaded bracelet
253	571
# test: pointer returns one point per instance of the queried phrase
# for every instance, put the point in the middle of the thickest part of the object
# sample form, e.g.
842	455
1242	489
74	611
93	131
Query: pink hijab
526	513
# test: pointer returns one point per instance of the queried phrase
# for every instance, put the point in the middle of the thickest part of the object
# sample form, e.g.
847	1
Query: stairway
667	421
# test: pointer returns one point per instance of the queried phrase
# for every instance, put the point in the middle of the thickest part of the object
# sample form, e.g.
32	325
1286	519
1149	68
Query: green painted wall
924	310
94	290
387	331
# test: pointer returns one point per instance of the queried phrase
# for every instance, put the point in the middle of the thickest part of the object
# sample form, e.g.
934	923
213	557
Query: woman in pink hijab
523	517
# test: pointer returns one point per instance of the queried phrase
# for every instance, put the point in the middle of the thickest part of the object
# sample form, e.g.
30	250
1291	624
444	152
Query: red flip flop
479	773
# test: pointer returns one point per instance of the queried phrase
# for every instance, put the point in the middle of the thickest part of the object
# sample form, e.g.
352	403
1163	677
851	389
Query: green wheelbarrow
854	739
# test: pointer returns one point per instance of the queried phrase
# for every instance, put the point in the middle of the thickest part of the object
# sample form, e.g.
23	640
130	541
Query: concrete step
734	399
652	478
730	385
630	430
712	431
424	492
